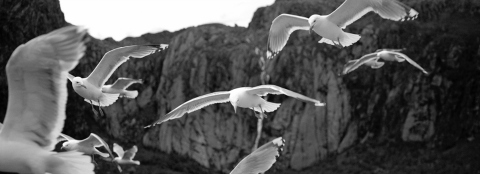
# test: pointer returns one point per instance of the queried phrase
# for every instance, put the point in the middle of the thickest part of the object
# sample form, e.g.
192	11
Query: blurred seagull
86	146
330	26
372	60
92	87
125	157
260	160
37	79
245	97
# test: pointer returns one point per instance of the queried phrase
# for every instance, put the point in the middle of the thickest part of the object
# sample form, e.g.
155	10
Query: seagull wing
118	150
352	10
403	56
282	26
261	159
354	64
37	93
130	153
114	58
195	104
263	90
124	83
95	141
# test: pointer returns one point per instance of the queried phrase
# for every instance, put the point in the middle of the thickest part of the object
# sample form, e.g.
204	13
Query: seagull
372	60
37	95
330	26
260	160
86	146
93	89
245	97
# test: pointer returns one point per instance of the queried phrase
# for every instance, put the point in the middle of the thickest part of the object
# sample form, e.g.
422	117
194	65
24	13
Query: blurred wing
263	90
124	83
118	150
388	49
403	56
282	26
354	64
95	141
130	153
114	58
261	159
37	93
352	10
195	104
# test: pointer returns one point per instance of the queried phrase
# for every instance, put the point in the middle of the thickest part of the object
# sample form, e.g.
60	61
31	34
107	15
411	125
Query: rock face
396	102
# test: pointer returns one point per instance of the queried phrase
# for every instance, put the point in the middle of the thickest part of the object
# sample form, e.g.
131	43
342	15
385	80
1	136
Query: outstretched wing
118	150
37	93
124	83
352	10
95	141
263	90
280	30
261	159
403	56
64	137
130	153
194	104
354	64
114	58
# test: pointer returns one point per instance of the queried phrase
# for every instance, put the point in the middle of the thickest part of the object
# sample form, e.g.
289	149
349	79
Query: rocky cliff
374	121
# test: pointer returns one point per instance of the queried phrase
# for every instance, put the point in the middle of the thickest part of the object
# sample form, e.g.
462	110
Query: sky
123	18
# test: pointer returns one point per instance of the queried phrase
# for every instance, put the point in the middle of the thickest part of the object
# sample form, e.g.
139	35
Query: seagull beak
84	86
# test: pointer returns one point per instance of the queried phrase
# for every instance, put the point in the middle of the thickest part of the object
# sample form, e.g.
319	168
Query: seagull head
66	146
78	82
313	21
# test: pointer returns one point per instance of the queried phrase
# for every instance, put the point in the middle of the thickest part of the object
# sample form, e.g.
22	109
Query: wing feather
130	153
409	61
124	83
195	104
118	150
95	141
280	30
37	76
354	64
352	10
116	57
263	90
261	159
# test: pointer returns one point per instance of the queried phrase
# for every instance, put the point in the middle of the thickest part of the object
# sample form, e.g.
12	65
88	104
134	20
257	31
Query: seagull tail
268	107
130	94
377	65
349	39
73	162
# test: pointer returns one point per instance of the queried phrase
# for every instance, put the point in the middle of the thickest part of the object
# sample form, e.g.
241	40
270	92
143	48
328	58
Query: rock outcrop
394	103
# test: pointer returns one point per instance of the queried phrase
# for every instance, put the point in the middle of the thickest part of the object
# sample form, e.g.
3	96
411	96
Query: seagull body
372	60
91	87
262	159
86	146
37	95
330	26
120	87
244	97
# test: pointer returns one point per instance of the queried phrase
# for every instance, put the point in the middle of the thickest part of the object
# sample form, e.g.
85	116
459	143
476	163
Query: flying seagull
86	146
244	97
125	157
260	160
372	60
92	87
37	95
330	26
